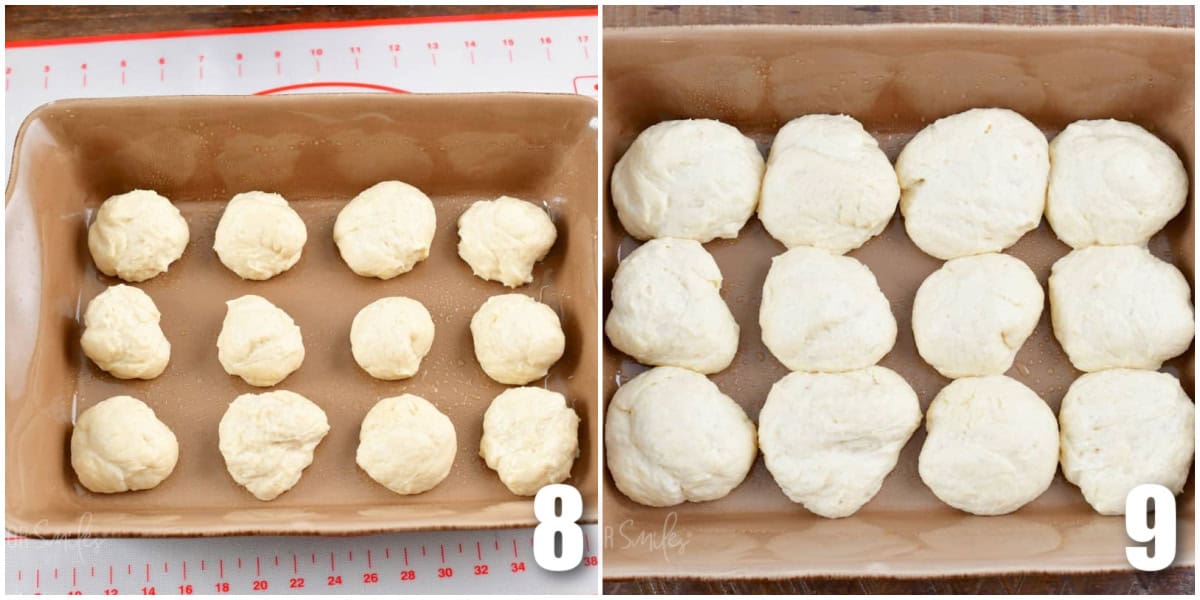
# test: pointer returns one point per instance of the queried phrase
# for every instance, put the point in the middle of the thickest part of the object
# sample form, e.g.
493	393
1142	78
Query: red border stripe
323	84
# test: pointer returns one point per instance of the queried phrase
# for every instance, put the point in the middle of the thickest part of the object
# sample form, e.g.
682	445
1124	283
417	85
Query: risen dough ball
530	438
824	313
694	179
667	308
1112	183
259	342
259	235
122	336
1122	428
386	230
671	436
390	336
502	239
829	440
828	185
516	338
973	182
1119	306
268	440
991	445
137	235
119	445
406	444
971	316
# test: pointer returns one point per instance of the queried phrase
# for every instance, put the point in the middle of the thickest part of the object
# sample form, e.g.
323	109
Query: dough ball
671	436
667	308
825	313
829	440
828	185
1112	183
1122	428
119	445
971	316
1119	306
406	444
259	342
695	179
516	338
268	440
122	336
502	239
259	236
991	445
137	235
390	336
530	438
386	230
973	182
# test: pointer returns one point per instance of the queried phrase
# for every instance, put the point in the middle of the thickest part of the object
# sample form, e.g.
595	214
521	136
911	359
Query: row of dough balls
516	338
530	438
830	439
383	232
970	183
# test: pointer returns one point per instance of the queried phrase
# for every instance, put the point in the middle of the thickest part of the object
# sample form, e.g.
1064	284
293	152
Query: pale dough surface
1122	428
822	312
137	235
667	308
516	338
1112	183
406	444
259	235
973	182
828	185
390	336
695	179
830	439
1119	306
502	239
672	436
122	334
119	445
268	440
259	342
385	230
991	445
530	438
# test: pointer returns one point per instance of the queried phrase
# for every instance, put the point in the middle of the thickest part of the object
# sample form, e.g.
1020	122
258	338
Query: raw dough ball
122	335
501	239
137	235
667	308
516	338
1112	183
828	185
973	182
695	179
825	313
259	342
671	436
1119	306
119	445
386	230
259	235
530	438
1122	428
390	336
268	440
971	316
406	444
991	445
829	440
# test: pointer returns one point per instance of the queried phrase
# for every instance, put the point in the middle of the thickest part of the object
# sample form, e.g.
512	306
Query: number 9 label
1137	525
553	523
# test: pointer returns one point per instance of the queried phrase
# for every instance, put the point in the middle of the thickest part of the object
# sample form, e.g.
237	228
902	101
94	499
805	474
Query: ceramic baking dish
318	151
895	79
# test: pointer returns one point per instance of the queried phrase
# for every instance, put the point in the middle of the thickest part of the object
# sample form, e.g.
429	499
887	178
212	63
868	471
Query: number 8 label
1137	517
553	523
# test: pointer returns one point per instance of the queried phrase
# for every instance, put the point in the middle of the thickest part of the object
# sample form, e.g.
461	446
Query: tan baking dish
318	151
895	79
